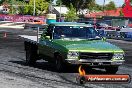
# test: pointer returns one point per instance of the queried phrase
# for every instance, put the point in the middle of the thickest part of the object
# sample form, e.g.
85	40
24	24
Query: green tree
16	6
77	4
41	6
99	7
1	1
71	14
93	6
58	2
110	6
121	13
49	1
26	8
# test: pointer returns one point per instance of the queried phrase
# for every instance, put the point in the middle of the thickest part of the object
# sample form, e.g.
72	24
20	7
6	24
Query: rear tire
59	64
111	70
31	56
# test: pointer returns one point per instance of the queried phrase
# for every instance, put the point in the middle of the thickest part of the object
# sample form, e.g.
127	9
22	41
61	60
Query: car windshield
75	32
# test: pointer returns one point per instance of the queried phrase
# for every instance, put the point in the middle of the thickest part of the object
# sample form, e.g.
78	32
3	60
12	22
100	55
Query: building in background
4	9
125	11
115	13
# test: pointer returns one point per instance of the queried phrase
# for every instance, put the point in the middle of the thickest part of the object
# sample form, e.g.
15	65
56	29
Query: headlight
73	54
118	56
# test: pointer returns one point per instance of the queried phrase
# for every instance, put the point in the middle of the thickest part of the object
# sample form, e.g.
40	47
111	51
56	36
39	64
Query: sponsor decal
82	78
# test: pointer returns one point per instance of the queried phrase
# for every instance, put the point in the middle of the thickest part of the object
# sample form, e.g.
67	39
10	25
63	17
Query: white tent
62	10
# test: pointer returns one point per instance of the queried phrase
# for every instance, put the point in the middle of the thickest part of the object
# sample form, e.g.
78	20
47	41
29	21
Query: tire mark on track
32	76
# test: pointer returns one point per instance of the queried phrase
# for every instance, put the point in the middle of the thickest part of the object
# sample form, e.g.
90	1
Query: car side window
47	32
50	31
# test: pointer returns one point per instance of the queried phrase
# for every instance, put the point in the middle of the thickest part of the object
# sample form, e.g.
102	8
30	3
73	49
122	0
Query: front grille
105	56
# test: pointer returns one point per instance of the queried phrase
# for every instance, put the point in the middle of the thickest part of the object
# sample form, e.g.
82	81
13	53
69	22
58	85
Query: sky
117	2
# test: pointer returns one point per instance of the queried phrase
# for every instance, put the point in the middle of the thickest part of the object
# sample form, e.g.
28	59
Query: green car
76	44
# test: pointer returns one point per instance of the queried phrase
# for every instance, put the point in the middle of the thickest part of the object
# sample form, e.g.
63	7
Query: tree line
26	6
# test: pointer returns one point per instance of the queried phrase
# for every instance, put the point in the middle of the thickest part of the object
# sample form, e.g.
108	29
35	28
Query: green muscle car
75	44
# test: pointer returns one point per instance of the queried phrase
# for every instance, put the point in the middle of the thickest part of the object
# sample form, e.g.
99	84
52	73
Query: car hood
88	46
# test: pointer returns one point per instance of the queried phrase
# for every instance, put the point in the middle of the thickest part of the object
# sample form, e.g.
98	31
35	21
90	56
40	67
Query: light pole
12	7
50	7
104	6
60	10
34	5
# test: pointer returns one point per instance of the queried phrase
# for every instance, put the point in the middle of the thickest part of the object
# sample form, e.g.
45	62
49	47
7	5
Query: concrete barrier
10	24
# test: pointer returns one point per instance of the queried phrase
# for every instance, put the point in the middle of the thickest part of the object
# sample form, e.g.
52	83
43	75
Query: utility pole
12	7
34	6
50	7
60	10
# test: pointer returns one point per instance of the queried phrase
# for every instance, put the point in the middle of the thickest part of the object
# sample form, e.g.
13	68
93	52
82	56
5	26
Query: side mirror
104	38
47	37
62	36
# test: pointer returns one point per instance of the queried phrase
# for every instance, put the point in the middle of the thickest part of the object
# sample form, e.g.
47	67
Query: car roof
71	24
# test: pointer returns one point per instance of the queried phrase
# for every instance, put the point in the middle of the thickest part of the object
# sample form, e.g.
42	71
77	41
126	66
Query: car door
46	46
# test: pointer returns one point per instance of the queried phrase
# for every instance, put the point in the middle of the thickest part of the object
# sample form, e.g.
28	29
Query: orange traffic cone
5	35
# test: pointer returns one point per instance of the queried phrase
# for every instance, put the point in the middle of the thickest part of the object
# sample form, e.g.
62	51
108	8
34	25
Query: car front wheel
59	63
